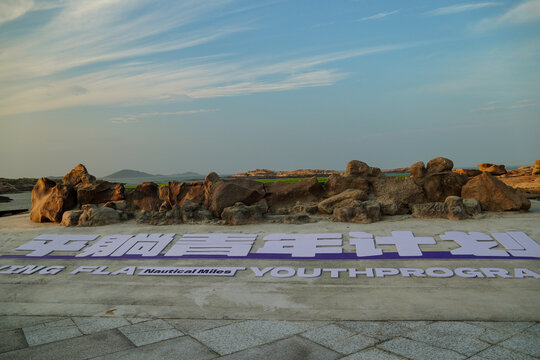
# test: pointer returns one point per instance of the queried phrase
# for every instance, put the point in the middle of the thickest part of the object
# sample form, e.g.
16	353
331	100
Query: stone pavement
40	337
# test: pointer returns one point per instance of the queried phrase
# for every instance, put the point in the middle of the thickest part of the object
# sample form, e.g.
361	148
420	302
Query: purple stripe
344	256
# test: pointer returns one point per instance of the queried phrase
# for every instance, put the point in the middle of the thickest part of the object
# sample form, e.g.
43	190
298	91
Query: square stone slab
149	332
51	331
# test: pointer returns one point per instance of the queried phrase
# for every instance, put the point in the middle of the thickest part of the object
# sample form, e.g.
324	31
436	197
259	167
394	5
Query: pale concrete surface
261	339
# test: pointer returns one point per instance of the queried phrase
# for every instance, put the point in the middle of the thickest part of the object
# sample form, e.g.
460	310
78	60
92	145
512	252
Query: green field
322	180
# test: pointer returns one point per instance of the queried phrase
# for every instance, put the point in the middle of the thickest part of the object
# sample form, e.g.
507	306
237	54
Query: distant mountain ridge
128	173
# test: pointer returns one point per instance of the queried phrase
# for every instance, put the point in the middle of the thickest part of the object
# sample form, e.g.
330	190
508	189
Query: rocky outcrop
283	195
536	169
452	208
468	172
100	192
357	211
51	200
78	175
189	212
327	206
181	191
439	164
224	193
437	179
71	217
146	197
240	214
395	194
273	174
10	186
93	215
493	194
492	169
336	184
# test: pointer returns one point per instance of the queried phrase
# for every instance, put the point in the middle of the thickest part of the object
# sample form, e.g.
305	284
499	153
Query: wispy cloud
88	54
492	106
526	12
379	15
136	117
455	9
13	9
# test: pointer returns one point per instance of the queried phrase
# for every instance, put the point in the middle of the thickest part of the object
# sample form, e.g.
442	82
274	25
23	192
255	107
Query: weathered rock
338	183
467	172
296	219
493	194
240	214
93	215
358	212
117	205
71	217
51	200
472	207
356	168
165	206
180	191
193	212
78	175
396	193
438	186
327	206
146	197
452	208
492	169
224	193
100	192
536	169
163	193
305	208
455	209
280	194
418	170
439	164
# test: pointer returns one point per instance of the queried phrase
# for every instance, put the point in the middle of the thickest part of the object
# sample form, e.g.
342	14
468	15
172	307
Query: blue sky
229	86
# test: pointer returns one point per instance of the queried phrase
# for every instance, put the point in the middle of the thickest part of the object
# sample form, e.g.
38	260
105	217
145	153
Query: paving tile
535	329
506	326
352	344
269	330
82	347
190	326
181	348
525	343
455	327
411	324
18	322
500	353
149	332
90	325
293	348
382	330
372	354
137	320
327	335
447	336
494	336
227	339
12	340
51	331
417	350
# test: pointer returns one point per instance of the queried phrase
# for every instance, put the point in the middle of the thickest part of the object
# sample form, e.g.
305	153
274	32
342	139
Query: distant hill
187	174
127	173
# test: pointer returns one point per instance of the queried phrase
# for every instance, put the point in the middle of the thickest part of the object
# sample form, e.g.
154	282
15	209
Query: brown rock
51	200
467	172
358	212
396	193
418	170
193	212
493	194
78	175
327	206
439	164
225	193
240	214
146	196
117	205
492	169
100	192
536	169
452	208
472	207
180	191
357	168
71	217
438	186
338	183
93	215
280	194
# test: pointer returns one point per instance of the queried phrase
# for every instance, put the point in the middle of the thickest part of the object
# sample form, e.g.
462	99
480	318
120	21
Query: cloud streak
136	117
379	15
526	12
456	9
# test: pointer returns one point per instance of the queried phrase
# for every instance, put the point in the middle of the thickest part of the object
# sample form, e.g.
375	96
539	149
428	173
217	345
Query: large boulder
93	215
536	169
356	211
493	194
51	200
240	214
327	205
100	192
492	169
280	194
78	175
467	172
452	208
395	193
356	168
71	217
418	170
181	191
439	164
146	197
438	186
193	212
224	193
337	183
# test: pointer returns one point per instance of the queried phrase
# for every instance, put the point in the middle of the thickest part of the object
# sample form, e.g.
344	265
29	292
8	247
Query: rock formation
494	195
492	169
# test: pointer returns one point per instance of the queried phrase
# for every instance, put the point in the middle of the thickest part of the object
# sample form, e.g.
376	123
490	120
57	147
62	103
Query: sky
230	85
